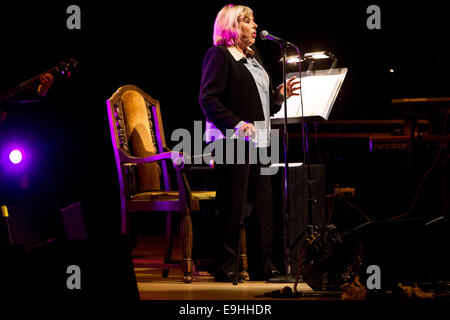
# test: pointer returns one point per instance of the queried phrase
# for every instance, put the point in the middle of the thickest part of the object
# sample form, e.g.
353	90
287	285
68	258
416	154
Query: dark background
159	46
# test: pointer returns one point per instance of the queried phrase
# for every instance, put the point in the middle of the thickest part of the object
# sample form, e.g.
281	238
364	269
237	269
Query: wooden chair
142	160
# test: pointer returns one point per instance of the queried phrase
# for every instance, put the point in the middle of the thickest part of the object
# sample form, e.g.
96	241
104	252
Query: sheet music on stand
319	89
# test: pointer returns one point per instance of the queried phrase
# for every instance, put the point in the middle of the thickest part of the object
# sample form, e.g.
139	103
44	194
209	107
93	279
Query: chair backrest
136	128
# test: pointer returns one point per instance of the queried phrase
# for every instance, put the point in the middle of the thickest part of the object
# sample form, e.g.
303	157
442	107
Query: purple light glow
16	156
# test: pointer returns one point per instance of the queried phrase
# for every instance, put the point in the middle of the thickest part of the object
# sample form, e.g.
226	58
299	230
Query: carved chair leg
186	245
244	262
169	242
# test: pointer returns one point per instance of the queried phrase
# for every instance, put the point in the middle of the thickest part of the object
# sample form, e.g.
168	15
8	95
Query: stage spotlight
16	156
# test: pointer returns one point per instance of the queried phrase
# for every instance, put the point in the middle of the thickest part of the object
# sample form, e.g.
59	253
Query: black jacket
228	92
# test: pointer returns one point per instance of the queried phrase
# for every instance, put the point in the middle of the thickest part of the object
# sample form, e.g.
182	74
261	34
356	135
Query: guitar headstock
66	67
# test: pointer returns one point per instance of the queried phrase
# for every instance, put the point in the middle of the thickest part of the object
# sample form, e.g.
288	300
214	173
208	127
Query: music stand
319	89
318	94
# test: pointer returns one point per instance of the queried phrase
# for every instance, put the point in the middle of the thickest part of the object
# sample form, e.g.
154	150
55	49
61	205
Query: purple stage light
16	156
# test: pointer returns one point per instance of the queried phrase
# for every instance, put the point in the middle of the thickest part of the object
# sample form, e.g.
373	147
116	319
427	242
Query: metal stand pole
287	278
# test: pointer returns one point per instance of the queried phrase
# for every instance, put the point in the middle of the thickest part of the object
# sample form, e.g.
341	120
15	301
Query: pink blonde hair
226	26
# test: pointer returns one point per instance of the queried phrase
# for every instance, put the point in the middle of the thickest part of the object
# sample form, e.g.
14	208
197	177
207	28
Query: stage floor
152	286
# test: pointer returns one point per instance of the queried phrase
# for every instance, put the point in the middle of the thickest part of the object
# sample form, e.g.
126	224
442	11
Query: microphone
265	35
286	292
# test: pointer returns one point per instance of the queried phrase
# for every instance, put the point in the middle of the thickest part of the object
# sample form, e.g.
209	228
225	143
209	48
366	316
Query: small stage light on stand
314	57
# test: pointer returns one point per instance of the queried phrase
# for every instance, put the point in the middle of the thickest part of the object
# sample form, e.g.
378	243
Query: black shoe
226	277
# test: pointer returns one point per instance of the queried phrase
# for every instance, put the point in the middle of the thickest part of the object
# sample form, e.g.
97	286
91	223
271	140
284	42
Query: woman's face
247	28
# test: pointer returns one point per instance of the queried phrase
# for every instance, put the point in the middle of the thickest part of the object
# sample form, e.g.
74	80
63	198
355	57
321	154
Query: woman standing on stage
236	93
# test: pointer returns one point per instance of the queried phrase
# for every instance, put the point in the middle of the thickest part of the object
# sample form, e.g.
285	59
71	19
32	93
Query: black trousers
258	199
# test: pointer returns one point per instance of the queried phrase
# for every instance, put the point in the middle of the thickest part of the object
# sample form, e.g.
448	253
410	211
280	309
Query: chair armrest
187	161
176	157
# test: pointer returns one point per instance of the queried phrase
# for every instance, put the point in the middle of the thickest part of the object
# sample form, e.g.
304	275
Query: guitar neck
25	86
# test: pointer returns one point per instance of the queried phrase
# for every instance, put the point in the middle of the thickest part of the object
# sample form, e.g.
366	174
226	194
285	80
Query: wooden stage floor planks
152	286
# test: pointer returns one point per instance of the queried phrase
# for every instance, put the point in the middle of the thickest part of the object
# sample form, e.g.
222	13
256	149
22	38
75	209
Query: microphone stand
287	278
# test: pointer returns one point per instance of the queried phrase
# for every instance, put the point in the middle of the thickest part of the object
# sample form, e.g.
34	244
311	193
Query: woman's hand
247	130
290	90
